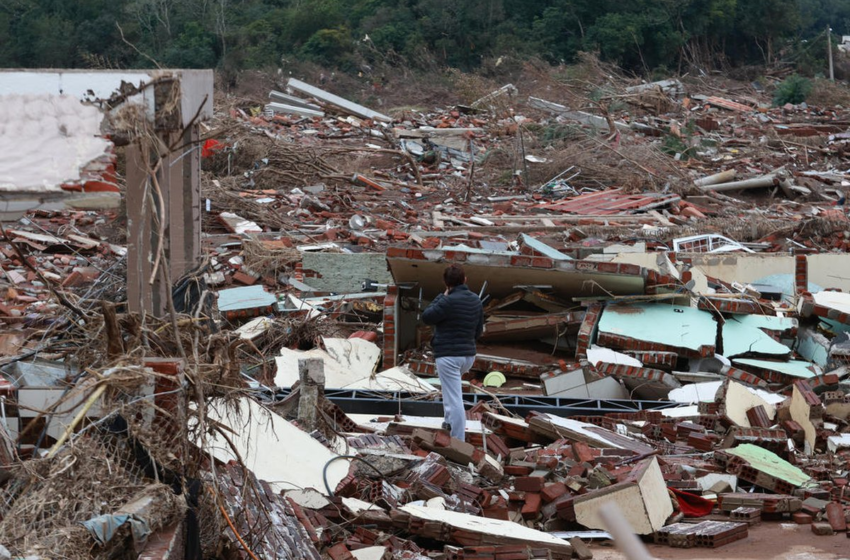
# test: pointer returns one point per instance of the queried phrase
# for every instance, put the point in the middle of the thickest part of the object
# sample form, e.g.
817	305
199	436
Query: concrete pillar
311	373
179	180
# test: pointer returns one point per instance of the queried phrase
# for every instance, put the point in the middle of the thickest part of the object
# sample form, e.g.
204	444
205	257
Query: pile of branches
270	163
47	501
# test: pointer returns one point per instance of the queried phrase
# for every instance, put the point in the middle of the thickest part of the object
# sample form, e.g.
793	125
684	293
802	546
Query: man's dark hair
454	275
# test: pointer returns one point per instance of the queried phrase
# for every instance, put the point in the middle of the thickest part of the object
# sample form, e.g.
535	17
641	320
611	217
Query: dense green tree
641	35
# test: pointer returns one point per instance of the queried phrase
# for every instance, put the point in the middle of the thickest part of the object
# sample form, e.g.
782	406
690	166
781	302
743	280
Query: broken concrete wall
753	268
344	272
813	346
271	447
643	500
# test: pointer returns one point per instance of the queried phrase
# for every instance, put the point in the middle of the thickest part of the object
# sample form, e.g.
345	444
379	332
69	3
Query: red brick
340	552
836	516
529	483
553	491
822	529
73	280
582	452
531	508
243	278
801	518
165	544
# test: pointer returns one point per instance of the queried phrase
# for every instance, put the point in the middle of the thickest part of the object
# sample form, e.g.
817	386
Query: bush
330	47
793	89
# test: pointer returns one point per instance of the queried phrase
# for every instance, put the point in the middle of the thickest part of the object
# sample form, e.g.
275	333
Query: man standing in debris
458	319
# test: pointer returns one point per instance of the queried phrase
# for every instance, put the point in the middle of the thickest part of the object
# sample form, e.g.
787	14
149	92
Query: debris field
667	329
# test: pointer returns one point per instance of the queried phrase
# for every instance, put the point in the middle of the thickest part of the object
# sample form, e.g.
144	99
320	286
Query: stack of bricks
729	305
655	359
766	503
774	440
587	331
707	534
390	353
801	274
624	343
503	552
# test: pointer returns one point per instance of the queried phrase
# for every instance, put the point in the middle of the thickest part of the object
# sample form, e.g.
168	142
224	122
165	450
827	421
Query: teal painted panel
673	325
249	297
794	368
809	349
740	338
767	322
769	463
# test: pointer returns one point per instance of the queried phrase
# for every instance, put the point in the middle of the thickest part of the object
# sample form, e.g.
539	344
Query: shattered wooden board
611	202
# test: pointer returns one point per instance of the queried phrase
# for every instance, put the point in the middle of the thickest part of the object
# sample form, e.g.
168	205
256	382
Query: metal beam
392	403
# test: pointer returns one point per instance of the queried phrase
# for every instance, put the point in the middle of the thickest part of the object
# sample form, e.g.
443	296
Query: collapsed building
244	372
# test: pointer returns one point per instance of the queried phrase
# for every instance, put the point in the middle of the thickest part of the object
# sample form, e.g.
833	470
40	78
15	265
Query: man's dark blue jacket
458	319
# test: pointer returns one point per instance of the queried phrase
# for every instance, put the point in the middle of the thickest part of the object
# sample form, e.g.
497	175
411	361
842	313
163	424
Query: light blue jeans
450	369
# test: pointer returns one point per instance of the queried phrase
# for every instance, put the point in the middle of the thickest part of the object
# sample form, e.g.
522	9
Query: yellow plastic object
494	379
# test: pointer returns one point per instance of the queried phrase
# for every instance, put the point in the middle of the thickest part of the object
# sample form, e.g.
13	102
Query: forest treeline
644	36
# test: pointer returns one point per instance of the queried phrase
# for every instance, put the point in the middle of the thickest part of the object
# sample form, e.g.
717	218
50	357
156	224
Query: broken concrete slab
503	271
578	384
237	224
768	469
292	100
531	245
292	109
694	393
337	101
372	553
555	427
264	441
806	410
813	346
470	530
597	354
249	301
349	364
642	498
344	273
644	383
737	399
549	106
